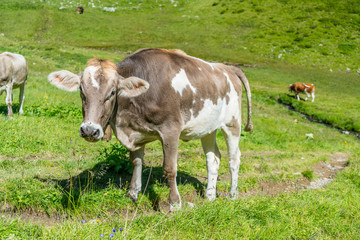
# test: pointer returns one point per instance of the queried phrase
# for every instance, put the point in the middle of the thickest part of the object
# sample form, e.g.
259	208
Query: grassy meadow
55	185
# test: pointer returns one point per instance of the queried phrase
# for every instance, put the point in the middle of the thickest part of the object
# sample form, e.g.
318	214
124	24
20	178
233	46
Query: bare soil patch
31	216
324	172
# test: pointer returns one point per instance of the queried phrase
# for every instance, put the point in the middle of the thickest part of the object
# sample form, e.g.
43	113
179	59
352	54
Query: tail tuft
249	127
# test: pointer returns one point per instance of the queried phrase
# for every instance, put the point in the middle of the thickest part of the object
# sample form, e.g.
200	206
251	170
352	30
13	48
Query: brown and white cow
166	95
80	10
306	88
13	74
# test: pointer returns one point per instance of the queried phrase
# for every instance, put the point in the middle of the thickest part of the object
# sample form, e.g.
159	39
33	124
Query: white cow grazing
13	74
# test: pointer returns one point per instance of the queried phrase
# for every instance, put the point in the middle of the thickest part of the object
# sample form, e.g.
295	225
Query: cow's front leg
307	95
297	97
136	158
313	96
170	148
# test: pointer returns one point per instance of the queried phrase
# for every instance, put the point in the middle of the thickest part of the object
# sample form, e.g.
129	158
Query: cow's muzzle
91	132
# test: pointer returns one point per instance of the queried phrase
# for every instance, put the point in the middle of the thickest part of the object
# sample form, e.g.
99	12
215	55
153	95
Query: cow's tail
249	125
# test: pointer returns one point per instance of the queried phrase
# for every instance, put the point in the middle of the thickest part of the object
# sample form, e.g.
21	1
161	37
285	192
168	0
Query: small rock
309	135
319	183
109	9
190	205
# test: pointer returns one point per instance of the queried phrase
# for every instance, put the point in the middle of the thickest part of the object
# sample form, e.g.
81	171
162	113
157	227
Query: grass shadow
4	109
294	97
102	175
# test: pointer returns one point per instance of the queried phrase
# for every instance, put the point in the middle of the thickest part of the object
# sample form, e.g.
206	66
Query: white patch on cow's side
307	86
92	70
181	81
220	113
200	69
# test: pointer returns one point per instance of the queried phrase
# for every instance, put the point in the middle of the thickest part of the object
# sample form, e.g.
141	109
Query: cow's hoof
211	195
234	195
132	195
175	207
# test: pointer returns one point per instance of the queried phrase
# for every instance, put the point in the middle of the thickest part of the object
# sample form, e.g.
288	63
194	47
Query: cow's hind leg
22	97
8	99
170	141
213	156
232	137
136	158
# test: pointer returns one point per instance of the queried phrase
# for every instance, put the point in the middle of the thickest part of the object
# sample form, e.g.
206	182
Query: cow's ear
65	80
132	87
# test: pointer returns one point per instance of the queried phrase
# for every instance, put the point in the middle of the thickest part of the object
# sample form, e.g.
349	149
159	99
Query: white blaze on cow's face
98	87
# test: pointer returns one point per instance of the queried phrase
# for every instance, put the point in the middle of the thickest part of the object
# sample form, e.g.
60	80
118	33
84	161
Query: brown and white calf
306	88
13	74
166	95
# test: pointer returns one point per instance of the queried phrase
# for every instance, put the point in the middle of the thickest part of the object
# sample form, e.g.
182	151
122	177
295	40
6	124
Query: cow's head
291	87
99	86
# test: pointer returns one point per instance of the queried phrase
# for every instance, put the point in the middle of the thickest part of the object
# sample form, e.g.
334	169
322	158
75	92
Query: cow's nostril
96	133
82	133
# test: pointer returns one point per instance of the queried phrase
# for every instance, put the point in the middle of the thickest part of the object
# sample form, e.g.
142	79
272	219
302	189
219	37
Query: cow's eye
82	95
111	95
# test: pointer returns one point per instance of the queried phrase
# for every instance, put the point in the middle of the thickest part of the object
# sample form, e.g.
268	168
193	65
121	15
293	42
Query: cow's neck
129	128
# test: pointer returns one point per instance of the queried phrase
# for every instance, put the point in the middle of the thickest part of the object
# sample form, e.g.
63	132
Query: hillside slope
317	33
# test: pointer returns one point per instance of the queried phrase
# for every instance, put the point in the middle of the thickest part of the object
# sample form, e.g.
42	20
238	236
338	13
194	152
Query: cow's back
158	104
16	66
6	70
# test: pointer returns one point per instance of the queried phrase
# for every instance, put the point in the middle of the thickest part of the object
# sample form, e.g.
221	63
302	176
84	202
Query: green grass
51	179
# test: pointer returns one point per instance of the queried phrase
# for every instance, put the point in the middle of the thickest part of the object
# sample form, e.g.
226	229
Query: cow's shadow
294	96
101	175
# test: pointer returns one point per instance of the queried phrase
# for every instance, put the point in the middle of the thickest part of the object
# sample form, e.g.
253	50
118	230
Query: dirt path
324	173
